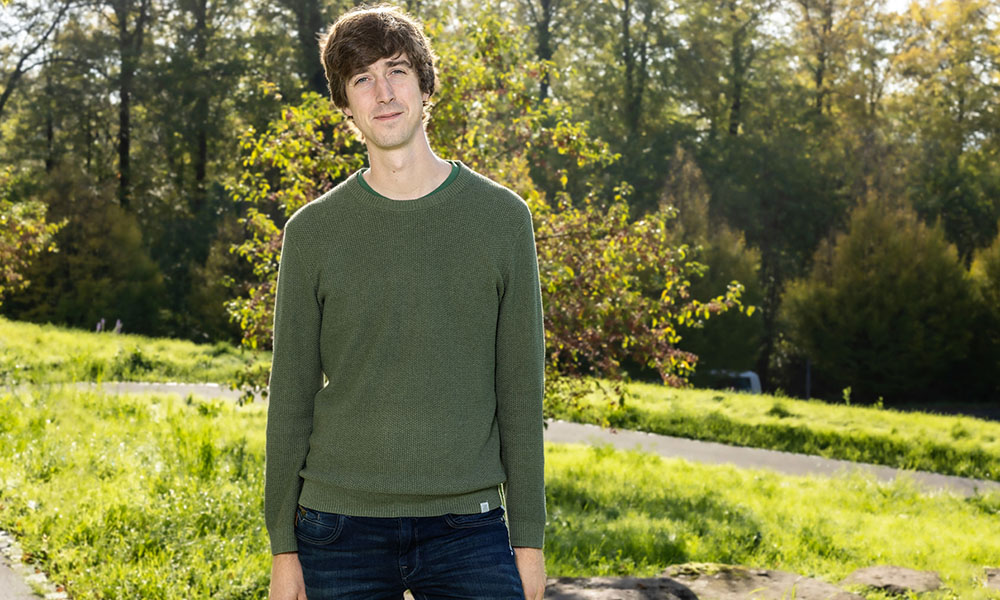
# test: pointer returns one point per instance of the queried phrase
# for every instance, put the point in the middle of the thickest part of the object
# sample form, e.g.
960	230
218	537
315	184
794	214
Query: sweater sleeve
296	376
520	382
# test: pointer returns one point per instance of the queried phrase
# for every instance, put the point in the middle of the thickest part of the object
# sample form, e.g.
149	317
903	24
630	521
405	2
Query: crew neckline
457	180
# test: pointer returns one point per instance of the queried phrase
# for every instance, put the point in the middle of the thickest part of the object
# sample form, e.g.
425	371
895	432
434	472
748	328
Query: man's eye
360	80
402	71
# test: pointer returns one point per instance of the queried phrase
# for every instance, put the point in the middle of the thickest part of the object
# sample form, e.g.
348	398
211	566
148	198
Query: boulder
993	578
895	580
725	582
616	588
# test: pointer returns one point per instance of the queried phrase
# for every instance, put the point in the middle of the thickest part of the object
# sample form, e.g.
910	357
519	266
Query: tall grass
149	496
31	353
136	496
963	446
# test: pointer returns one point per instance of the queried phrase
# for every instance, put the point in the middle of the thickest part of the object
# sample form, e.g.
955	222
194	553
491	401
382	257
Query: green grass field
953	445
150	496
963	446
32	353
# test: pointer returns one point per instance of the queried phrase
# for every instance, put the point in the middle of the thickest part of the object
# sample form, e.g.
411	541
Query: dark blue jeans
369	558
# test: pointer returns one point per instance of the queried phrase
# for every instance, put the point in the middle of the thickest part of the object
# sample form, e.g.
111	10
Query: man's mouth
388	116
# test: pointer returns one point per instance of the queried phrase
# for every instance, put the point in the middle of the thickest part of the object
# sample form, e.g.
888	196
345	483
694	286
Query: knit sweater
408	366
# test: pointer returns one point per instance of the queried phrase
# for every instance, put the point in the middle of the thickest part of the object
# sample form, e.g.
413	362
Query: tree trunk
129	47
543	26
200	115
739	74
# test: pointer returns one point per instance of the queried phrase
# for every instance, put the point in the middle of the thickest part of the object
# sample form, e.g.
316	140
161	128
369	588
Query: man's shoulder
324	206
498	196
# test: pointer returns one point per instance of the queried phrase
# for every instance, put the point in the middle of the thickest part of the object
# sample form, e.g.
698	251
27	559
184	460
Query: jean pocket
319	528
476	519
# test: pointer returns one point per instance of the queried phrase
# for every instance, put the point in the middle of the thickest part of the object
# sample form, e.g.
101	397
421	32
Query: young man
412	288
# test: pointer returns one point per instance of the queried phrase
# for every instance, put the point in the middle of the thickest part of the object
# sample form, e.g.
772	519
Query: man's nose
383	90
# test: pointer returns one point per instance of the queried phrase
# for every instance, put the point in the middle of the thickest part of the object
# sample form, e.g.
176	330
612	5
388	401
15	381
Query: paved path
564	432
753	458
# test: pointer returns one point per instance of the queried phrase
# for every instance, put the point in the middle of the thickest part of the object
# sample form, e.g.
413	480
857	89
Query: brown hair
365	35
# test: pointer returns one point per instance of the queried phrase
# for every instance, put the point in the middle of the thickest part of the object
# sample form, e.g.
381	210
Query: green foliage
299	156
886	308
102	270
985	351
962	446
731	340
24	233
614	289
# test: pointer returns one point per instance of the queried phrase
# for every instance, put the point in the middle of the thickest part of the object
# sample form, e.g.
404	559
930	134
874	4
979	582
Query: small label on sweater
484	507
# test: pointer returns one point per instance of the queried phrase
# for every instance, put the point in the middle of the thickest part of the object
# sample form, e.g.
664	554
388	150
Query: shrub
886	309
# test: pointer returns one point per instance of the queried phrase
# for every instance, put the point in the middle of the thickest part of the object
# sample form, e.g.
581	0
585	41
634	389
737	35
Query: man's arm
520	383
531	566
296	376
286	578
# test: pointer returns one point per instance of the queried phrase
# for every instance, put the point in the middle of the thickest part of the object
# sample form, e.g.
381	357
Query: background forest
836	158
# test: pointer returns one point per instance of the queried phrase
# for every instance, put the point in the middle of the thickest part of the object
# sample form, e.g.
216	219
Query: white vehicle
746	381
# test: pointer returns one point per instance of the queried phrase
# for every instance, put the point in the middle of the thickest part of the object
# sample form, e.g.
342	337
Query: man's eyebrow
397	62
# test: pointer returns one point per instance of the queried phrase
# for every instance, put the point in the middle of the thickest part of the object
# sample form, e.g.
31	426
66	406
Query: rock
895	580
993	578
616	588
724	582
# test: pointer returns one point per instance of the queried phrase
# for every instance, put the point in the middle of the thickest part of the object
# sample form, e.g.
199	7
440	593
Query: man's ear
347	111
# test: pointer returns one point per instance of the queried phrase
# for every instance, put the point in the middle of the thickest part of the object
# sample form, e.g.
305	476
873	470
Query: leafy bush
24	233
886	309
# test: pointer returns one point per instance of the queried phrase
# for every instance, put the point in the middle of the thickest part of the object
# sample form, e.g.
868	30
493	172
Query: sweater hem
327	497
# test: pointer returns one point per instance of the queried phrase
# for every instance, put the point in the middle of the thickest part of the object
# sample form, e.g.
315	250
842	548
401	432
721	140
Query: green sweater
425	318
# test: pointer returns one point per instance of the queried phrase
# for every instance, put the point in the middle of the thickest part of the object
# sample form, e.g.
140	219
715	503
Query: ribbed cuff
527	534
284	541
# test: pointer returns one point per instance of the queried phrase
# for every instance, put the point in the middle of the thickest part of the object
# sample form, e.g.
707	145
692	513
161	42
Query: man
412	288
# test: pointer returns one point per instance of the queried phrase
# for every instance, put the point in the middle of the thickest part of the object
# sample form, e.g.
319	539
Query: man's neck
405	173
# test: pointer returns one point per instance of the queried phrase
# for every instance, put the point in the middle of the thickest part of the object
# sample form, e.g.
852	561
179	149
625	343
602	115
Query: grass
616	513
31	353
963	446
153	496
136	496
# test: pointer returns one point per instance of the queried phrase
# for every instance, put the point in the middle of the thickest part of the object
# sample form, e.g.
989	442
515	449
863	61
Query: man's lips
388	116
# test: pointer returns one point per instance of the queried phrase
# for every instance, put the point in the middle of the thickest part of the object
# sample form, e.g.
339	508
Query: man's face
386	102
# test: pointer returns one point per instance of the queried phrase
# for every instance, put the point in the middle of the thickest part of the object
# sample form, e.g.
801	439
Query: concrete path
565	432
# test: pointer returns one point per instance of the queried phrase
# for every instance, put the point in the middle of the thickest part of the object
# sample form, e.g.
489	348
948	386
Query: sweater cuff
284	541
527	534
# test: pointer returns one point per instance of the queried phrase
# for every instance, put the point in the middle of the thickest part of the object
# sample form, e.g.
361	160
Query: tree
30	25
730	340
129	18
886	309
950	65
101	270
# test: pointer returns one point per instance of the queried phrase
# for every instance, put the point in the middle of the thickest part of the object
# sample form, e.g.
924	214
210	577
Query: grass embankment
150	496
963	446
31	353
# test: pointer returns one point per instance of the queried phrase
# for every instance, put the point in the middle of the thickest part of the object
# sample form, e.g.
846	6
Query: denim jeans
370	558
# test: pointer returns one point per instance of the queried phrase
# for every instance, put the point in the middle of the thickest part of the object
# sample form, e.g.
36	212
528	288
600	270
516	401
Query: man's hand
286	577
531	566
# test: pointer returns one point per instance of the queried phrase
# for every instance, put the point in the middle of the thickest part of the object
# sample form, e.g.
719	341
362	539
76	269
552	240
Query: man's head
365	35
